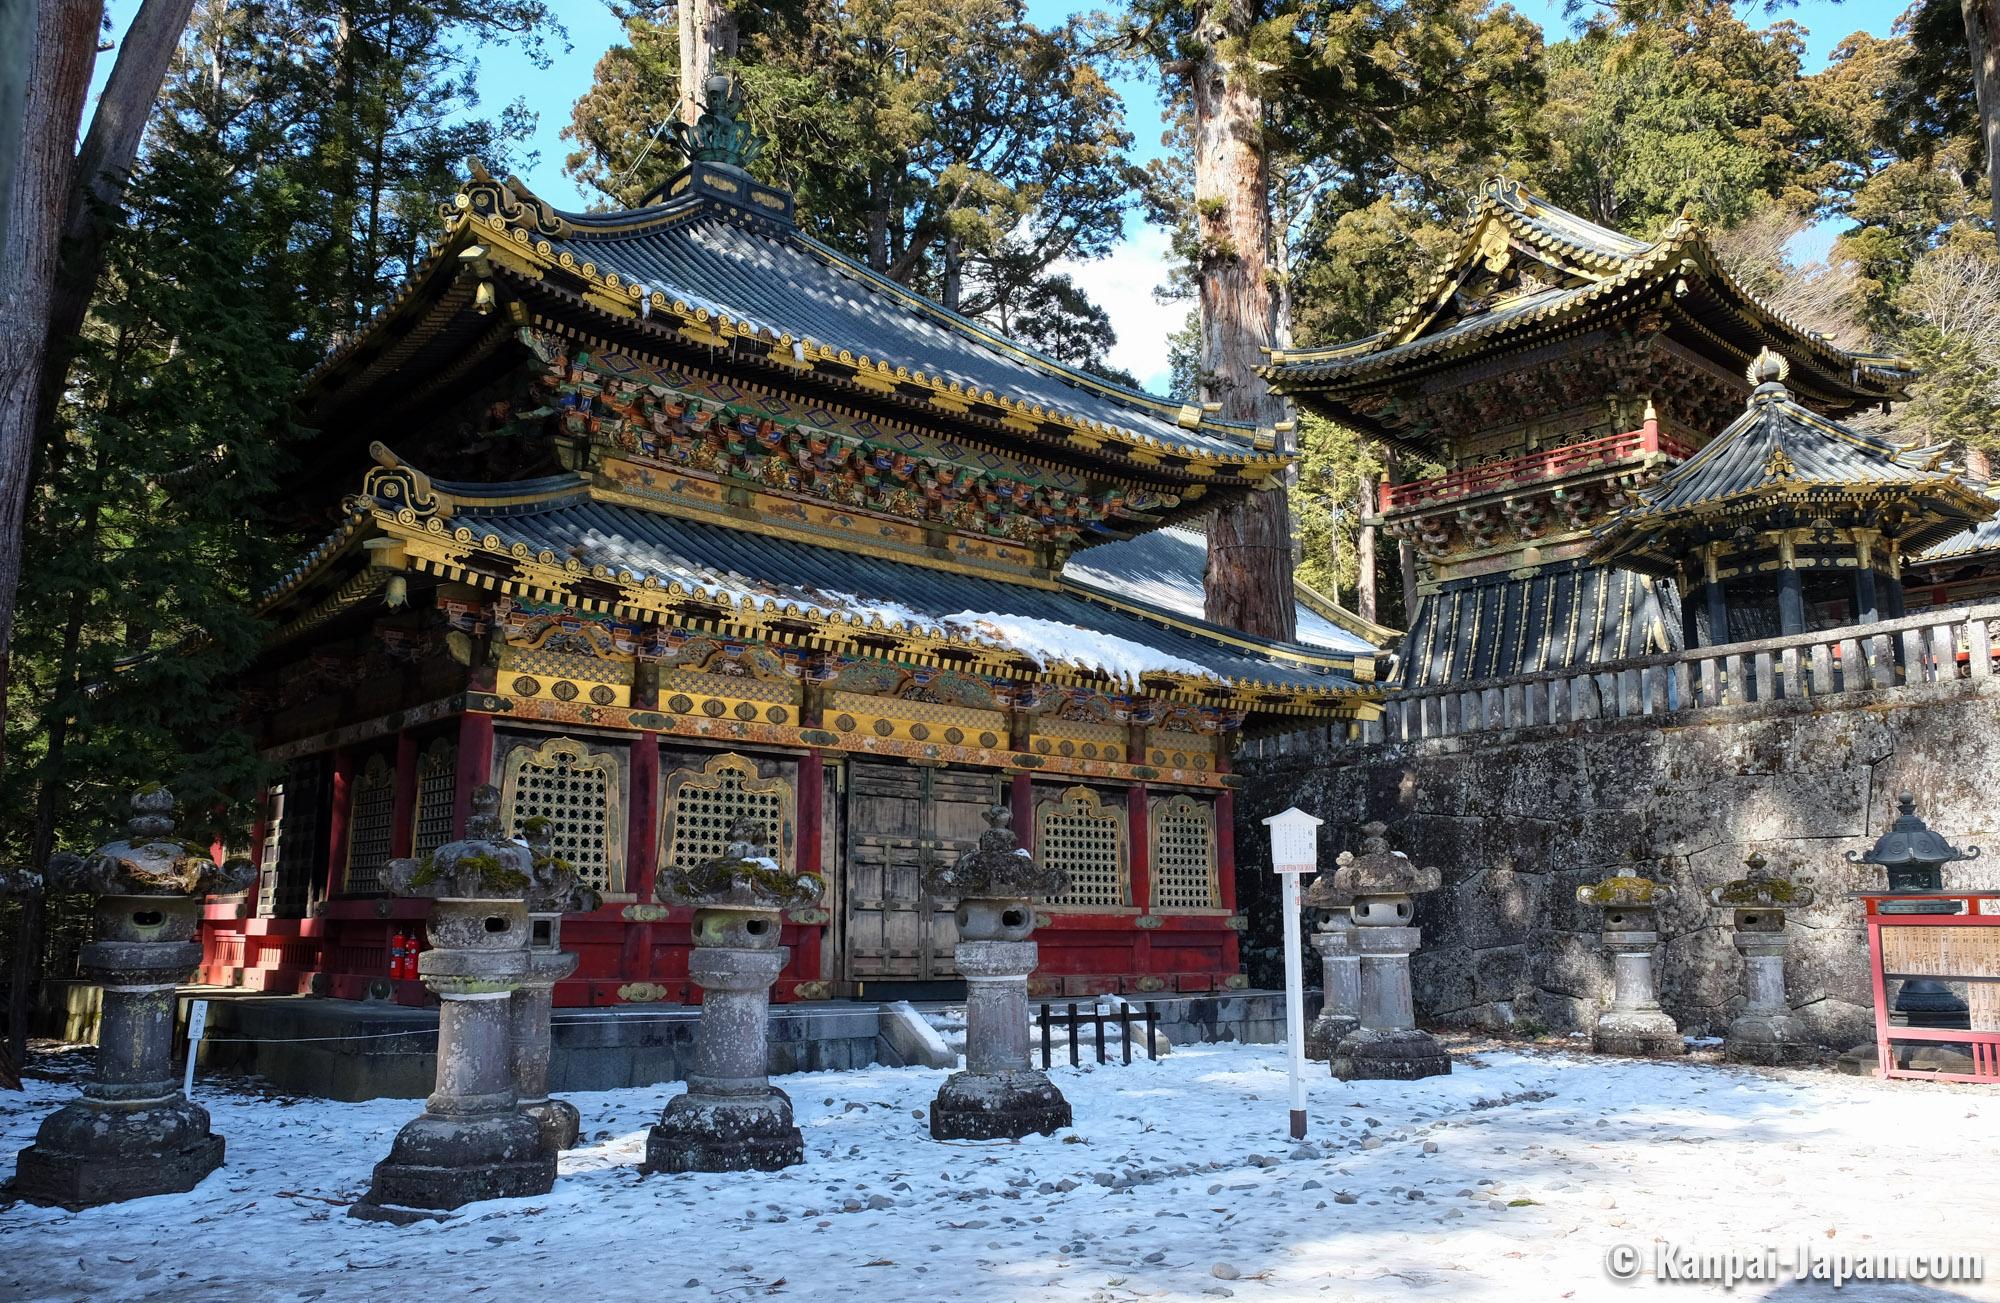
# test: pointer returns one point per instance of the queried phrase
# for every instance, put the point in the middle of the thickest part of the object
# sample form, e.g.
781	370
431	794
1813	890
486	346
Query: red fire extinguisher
396	956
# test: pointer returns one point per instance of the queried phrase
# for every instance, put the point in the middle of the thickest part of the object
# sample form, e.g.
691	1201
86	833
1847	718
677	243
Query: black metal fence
1074	1021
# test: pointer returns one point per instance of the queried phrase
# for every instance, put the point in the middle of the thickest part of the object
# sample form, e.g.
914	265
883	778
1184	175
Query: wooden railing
1932	647
1548	464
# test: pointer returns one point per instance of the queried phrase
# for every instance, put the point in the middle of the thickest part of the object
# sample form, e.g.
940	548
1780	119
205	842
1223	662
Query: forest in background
1321	151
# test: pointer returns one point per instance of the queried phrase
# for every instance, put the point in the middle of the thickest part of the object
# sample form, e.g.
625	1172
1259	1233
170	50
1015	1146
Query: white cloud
1123	284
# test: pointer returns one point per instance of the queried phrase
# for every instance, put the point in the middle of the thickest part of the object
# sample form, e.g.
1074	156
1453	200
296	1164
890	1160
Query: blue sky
1122	283
505	74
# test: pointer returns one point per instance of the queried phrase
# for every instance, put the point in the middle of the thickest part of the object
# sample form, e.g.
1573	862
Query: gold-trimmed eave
611	293
1680	252
1492	218
1617	539
450	554
1551	321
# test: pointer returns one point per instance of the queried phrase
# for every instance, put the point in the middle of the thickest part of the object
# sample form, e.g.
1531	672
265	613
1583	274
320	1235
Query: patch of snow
1508	1180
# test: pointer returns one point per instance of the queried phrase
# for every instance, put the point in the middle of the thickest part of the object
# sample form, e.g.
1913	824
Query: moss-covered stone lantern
554	890
1765	1031
998	1095
1340	968
1387	1044
731	1118
1635	1023
472	1142
133	1133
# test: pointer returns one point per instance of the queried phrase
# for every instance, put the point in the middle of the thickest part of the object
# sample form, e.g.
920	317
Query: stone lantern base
441	1163
725	1133
998	1106
559	1121
1324	1034
1773	1040
1637	1033
92	1152
1389	1054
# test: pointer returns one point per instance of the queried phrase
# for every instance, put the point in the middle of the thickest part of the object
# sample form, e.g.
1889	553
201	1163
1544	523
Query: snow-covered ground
1509	1180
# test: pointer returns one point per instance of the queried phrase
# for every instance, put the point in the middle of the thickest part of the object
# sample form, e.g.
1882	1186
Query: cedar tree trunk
1249	577
1982	38
708	39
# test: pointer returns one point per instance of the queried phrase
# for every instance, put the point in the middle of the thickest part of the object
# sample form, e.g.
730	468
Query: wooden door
899	818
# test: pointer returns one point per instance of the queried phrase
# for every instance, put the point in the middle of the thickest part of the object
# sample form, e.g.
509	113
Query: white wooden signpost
197	1024
1294	851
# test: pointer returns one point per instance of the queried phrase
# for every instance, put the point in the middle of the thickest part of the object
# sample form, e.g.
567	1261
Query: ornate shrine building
660	518
1548	372
1788	522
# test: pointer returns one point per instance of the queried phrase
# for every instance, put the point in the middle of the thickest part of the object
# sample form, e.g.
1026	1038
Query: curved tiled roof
1778	441
1779	451
1163	568
753	272
1610	266
738	567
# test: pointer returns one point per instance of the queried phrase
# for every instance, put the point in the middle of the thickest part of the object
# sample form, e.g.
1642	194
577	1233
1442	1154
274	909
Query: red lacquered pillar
339	806
642	825
1139	837
475	766
1021	798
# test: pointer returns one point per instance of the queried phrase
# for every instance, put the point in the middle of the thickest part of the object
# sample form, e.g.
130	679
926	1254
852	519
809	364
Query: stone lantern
1386	1045
1634	1024
1340	968
731	1118
553	892
134	1133
471	1142
998	1095
1765	1031
1914	857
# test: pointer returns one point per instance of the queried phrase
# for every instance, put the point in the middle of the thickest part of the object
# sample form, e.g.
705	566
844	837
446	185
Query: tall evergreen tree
1350	93
955	147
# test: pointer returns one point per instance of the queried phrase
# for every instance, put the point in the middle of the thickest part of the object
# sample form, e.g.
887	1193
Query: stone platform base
998	1106
559	1121
1324	1034
441	1163
1638	1035
1407	1055
714	1133
371	1049
83	1181
1861	1061
1773	1042
407	1192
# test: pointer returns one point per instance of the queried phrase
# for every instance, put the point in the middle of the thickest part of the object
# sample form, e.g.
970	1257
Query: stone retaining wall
1518	819
362	1049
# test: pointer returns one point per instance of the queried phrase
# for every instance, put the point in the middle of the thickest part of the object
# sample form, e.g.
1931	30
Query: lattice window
1085	840
370	824
437	791
1183	847
702	803
578	791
